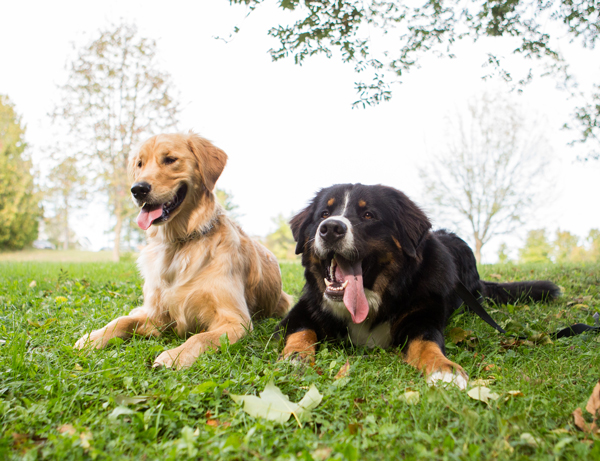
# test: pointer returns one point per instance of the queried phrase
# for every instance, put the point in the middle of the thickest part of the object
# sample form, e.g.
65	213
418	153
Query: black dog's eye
325	214
140	164
368	215
169	160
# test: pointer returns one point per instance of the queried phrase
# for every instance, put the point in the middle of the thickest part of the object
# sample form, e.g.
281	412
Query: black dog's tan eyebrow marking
362	203
331	201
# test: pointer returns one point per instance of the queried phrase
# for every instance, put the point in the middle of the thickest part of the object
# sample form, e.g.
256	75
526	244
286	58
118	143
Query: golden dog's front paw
91	340
175	358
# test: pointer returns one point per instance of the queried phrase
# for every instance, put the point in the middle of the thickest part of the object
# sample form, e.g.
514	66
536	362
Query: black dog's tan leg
123	327
185	355
427	357
302	344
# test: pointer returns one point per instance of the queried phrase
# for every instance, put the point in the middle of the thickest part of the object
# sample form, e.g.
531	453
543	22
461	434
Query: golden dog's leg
427	357
123	327
185	355
302	344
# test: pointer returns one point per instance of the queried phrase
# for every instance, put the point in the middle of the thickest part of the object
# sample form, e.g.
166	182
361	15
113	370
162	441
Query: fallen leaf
511	394
480	382
343	371
410	397
276	406
67	429
217	423
118	412
130	400
541	339
529	439
36	324
61	299
85	438
78	367
353	428
482	394
580	423
593	404
32	284
458	335
322	453
496	276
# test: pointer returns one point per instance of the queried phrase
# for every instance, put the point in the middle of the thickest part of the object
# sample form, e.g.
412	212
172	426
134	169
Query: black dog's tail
503	293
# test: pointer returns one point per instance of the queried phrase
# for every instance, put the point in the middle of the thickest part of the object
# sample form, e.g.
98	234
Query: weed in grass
58	403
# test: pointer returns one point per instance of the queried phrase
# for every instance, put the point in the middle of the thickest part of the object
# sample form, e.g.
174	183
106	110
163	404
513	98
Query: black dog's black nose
140	190
332	230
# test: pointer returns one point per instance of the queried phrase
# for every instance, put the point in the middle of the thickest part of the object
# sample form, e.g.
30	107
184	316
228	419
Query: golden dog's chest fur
202	273
239	272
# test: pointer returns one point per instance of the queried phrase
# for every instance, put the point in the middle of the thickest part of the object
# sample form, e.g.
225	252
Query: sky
290	130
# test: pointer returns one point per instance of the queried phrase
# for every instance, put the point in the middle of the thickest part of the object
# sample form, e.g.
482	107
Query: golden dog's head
174	175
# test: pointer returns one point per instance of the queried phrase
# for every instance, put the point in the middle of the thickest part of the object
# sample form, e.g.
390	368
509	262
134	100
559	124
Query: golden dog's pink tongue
145	218
354	294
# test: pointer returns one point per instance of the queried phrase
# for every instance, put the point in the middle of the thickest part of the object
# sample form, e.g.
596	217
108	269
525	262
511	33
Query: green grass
45	384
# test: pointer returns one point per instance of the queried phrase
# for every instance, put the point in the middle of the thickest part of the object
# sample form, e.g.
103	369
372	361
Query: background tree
487	177
503	253
66	191
384	39
19	208
115	97
226	200
537	247
566	248
593	240
281	241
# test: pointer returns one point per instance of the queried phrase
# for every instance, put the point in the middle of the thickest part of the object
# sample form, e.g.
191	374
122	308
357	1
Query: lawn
58	403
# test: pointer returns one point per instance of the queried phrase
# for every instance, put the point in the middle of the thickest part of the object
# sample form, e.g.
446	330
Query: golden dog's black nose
140	190
332	230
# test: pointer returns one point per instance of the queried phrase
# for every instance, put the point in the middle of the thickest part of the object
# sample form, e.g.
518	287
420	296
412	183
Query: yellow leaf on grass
276	406
411	397
61	299
482	394
67	429
480	382
343	371
32	284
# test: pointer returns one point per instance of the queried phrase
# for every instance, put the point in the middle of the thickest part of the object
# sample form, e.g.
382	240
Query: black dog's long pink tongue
146	217
354	294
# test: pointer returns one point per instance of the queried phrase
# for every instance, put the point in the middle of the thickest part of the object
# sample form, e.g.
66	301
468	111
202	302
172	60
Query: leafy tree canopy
384	39
19	209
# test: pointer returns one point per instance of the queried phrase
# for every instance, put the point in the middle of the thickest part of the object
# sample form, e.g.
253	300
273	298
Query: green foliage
281	241
566	247
405	31
226	200
119	408
115	97
19	209
502	253
537	247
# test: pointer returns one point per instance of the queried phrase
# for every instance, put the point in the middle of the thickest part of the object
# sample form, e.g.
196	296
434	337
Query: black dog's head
350	234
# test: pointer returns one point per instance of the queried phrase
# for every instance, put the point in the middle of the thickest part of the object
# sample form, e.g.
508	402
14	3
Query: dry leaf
275	406
85	438
322	453
593	404
529	439
344	370
61	299
482	394
457	335
580	423
67	429
353	428
496	276
127	400
510	394
32	284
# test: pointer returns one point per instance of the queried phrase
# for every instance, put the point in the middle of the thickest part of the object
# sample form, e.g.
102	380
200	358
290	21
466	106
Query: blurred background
489	119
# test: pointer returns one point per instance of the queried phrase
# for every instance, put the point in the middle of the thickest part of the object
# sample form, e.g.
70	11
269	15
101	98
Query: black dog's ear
411	223
299	223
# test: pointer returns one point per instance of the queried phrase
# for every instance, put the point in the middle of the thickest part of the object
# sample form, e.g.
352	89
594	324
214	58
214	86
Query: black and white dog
377	275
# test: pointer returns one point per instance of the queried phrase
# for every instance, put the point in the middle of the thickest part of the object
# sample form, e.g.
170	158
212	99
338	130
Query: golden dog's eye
140	164
368	215
169	160
325	214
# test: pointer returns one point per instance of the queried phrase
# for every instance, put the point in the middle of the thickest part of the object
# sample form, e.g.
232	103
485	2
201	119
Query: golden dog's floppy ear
211	160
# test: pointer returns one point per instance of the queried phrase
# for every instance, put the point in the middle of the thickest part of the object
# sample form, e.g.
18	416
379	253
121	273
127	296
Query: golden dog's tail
283	305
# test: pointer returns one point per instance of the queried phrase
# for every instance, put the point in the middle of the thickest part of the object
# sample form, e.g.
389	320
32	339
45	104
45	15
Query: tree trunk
478	245
118	226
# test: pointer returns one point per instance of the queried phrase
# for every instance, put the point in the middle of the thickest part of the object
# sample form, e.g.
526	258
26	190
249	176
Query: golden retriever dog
202	274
